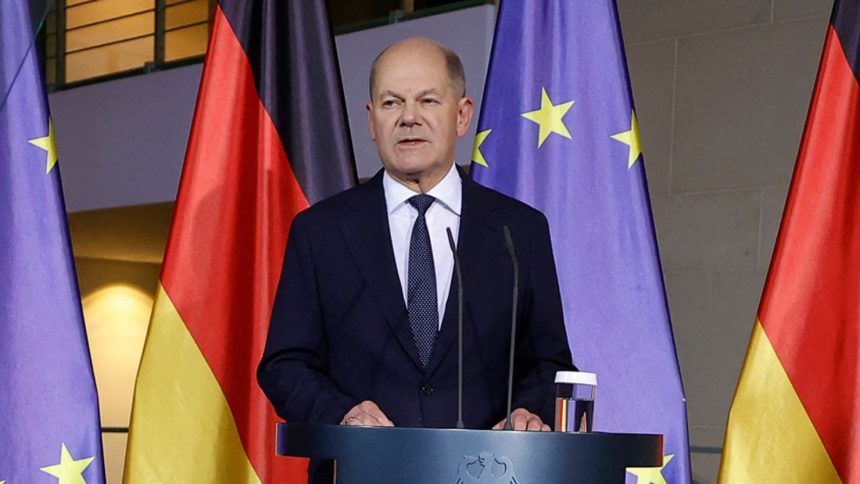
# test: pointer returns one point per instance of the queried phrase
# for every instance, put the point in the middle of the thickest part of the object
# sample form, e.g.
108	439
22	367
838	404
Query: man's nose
410	115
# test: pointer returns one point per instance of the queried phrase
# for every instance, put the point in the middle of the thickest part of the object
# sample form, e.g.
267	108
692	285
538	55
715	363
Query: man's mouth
411	142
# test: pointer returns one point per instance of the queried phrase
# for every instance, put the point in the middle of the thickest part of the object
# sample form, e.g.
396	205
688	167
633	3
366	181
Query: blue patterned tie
421	291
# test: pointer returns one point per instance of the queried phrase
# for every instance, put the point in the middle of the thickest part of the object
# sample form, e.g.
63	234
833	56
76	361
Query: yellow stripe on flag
178	403
770	438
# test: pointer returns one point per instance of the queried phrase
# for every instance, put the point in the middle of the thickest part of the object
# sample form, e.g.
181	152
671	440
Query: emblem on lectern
486	468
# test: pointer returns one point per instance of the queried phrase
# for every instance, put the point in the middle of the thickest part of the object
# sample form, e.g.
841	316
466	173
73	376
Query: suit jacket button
427	390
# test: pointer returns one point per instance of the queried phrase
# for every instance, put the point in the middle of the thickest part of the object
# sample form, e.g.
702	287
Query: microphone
459	329
510	243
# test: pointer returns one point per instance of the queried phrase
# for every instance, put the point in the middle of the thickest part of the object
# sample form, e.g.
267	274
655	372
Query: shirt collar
449	191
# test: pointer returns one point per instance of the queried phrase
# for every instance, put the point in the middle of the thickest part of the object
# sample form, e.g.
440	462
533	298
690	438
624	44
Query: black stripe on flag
292	54
846	23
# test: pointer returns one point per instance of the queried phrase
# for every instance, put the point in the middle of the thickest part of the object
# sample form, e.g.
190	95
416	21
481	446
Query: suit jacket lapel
475	238
369	242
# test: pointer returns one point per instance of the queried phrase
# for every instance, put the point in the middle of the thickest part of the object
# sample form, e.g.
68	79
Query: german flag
269	138
796	412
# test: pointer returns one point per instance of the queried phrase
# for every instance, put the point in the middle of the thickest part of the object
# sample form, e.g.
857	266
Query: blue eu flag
558	131
49	418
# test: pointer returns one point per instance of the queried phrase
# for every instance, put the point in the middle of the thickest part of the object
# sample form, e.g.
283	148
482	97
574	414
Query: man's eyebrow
389	92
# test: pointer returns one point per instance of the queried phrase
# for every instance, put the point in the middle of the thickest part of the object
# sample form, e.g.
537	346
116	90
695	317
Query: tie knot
421	203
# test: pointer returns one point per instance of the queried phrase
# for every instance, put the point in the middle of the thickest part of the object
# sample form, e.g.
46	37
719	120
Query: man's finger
534	423
518	422
524	420
381	420
350	420
362	419
376	414
366	413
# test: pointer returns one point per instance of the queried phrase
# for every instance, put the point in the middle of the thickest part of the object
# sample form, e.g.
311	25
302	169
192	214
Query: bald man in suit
346	343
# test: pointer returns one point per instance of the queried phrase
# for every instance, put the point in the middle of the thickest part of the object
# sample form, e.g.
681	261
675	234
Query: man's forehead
416	64
411	73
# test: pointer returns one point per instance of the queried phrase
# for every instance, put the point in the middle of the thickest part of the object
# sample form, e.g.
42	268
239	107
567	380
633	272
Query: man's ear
465	110
370	127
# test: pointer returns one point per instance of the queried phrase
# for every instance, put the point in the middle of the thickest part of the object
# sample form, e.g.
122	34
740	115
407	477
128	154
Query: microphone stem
510	243
459	272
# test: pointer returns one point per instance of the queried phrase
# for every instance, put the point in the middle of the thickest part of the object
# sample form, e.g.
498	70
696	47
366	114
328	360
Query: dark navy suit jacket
340	330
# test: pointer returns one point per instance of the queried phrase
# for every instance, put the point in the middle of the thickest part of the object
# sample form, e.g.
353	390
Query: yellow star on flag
631	139
651	475
47	144
477	156
69	470
549	117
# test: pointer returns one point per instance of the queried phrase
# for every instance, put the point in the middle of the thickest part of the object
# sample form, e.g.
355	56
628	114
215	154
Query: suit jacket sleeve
292	372
542	346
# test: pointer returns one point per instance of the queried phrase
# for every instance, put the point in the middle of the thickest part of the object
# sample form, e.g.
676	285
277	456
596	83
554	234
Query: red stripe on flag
810	309
237	199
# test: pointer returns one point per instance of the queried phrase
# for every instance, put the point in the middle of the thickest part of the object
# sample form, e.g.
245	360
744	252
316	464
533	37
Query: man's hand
522	419
366	413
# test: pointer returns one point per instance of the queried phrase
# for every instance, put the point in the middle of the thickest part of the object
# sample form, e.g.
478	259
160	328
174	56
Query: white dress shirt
442	214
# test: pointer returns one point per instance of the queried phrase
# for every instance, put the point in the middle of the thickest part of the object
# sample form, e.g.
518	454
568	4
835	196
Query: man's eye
388	103
430	100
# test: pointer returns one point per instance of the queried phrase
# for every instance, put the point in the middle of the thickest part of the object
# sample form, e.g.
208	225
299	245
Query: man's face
415	116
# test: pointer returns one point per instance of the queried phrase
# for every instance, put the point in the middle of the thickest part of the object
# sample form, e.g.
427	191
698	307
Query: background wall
721	87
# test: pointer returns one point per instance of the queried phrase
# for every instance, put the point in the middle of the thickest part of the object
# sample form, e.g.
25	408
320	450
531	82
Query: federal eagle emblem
486	468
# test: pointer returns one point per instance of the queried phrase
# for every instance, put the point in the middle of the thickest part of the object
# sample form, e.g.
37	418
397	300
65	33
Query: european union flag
49	419
558	131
